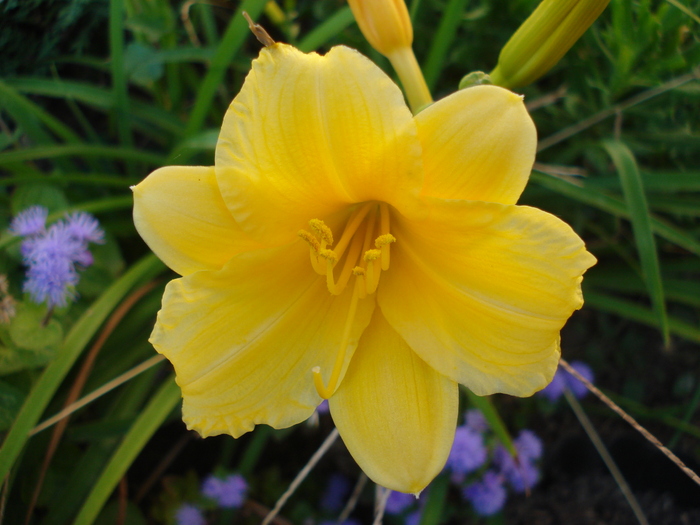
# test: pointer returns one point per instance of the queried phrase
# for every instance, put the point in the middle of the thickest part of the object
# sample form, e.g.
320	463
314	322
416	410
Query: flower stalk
386	25
543	39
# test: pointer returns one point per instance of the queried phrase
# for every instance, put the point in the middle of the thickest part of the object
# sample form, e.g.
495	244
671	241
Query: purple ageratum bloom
53	255
337	490
398	502
31	221
528	445
413	518
522	474
474	419
468	452
488	495
562	380
188	514
51	280
84	227
323	407
229	492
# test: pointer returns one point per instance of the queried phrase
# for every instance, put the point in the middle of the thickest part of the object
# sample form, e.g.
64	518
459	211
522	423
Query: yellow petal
481	290
478	144
396	415
309	134
243	340
179	212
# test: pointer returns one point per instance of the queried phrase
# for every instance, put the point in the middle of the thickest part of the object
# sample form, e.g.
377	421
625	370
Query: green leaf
329	29
437	496
38	194
28	331
153	415
444	37
633	189
143	64
11	400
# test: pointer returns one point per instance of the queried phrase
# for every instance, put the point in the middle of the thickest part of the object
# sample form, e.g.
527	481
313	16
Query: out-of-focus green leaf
635	197
11	400
28	331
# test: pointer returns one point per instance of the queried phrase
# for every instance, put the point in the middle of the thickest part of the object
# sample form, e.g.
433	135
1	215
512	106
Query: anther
324	232
382	242
314	248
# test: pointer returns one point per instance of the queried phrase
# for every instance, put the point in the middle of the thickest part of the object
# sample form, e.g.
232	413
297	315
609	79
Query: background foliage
96	94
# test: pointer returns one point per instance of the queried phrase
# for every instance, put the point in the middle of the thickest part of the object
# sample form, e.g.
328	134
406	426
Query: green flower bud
543	39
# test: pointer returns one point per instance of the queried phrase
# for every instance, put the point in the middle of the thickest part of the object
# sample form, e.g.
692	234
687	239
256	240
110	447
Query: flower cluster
475	450
563	380
54	255
227	492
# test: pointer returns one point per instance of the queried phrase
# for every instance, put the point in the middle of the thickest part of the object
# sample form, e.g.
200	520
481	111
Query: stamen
350	260
382	242
385	229
326	391
323	232
331	259
314	249
372	270
351	227
359	274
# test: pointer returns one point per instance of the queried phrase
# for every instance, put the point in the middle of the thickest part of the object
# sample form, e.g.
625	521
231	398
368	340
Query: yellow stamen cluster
354	249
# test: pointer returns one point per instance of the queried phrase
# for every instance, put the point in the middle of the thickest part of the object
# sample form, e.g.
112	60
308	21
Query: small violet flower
468	452
562	380
229	492
337	490
521	474
488	495
31	221
188	514
54	255
474	419
398	502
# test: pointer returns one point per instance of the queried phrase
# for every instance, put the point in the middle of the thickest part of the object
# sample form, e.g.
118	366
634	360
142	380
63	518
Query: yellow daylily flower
343	248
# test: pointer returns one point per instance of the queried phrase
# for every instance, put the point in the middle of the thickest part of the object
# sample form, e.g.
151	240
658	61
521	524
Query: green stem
411	76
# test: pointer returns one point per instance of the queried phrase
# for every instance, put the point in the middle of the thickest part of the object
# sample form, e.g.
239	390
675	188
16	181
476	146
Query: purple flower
562	380
398	502
475	420
488	495
229	492
53	256
31	221
188	514
468	452
51	280
414	517
528	445
337	490
521	474
84	227
323	407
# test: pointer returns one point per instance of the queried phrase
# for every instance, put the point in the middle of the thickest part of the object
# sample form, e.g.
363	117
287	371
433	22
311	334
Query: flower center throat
356	255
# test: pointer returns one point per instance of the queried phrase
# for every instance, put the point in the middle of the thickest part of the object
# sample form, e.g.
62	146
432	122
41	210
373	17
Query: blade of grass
444	36
74	343
97	97
330	28
159	407
640	314
616	207
432	513
119	82
633	189
605	456
491	414
80	150
231	42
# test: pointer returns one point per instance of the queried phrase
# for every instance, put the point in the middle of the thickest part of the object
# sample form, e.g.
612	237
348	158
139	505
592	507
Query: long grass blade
231	42
330	28
444	36
635	197
153	415
75	342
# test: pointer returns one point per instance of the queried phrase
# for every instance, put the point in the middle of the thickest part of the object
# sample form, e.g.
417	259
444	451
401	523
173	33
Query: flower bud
543	39
384	23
